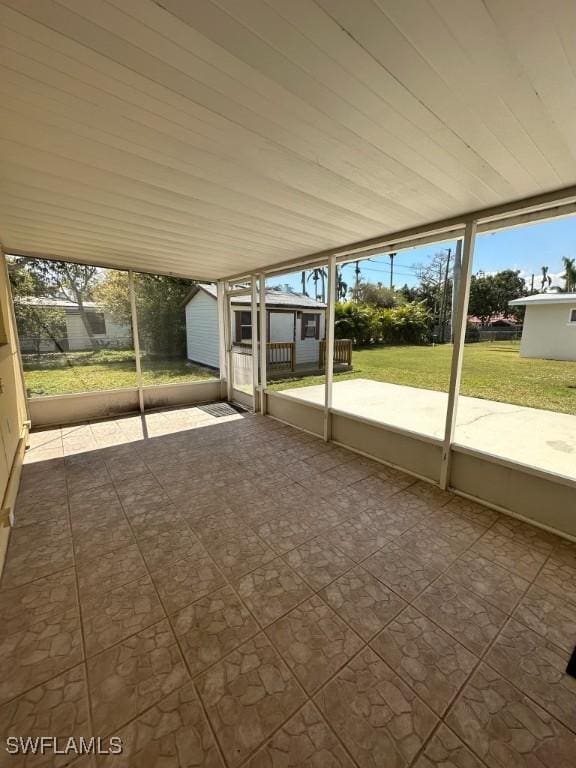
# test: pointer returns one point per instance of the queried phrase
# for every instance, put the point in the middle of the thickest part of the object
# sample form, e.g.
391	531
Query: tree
490	295
374	295
546	281
341	286
435	288
39	323
318	274
160	306
75	282
569	275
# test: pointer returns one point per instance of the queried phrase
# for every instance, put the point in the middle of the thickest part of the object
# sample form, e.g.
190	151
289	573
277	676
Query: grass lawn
59	374
492	370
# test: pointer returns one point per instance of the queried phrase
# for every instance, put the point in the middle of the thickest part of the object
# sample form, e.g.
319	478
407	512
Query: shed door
281	326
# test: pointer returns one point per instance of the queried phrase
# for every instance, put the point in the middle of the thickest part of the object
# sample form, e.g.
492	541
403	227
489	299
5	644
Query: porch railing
342	352
281	355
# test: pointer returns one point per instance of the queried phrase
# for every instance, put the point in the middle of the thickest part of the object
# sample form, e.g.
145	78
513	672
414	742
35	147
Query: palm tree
546	279
570	274
319	274
341	286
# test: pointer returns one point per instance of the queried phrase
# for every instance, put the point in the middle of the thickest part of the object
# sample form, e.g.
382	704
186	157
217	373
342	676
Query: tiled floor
234	592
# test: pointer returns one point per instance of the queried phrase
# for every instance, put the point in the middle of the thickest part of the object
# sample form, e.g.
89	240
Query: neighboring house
549	326
291	317
497	328
106	332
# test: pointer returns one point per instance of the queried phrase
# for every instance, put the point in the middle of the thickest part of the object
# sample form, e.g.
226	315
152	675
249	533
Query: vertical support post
329	334
13	336
457	352
263	341
221	300
254	318
228	343
136	339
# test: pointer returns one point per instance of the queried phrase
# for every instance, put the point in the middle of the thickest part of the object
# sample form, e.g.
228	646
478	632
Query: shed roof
274	298
543	299
211	139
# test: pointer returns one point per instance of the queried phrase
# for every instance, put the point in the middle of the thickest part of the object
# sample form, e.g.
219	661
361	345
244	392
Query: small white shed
292	317
549	330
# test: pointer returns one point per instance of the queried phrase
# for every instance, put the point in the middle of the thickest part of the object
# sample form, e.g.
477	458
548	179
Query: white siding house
292	317
106	332
549	329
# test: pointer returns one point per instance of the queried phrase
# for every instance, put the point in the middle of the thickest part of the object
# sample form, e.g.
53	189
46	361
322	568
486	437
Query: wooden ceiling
208	138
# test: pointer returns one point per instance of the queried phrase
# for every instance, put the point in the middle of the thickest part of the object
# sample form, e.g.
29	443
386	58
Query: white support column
254	318
458	351
136	339
329	336
263	341
221	301
228	344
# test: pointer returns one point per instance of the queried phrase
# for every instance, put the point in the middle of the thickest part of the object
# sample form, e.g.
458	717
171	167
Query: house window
96	323
243	326
310	326
572	316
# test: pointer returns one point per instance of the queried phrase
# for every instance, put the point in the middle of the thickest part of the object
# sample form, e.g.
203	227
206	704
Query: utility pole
455	285
392	270
444	297
532	285
357	273
304	283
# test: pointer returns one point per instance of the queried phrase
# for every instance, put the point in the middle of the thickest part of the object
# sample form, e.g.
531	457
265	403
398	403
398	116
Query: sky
526	248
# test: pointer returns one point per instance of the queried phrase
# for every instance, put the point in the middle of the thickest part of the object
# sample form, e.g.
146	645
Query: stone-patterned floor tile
110	617
445	750
378	717
187	580
173	543
173	732
211	627
549	616
28	561
38	511
247	696
241	554
505	728
314	642
495	584
432	662
524	533
33	655
152	521
452	527
221	526
357	538
363	602
516	556
477	513
403	569
466	616
102	539
58	708
304	742
559	577
285	533
109	571
399	513
318	562
537	668
431	493
272	590
132	676
40	600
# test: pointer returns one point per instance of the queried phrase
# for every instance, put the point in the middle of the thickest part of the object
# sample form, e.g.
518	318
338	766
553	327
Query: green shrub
405	324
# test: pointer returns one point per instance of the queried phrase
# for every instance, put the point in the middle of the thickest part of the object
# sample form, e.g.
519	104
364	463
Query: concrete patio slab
542	439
